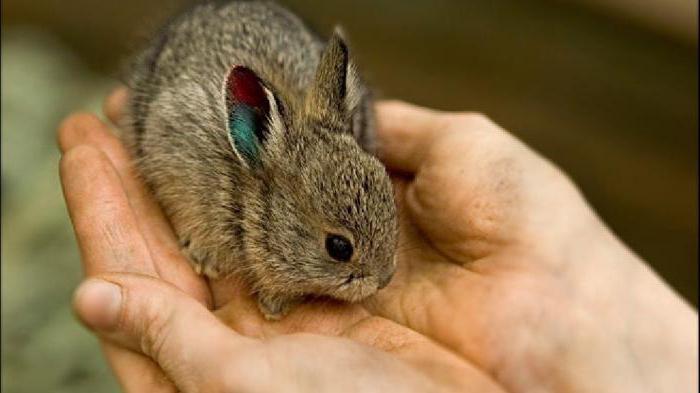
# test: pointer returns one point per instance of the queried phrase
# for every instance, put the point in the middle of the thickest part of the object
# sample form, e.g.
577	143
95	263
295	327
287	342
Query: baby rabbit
256	138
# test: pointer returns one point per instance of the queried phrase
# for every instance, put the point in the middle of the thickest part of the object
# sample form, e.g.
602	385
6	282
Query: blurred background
607	89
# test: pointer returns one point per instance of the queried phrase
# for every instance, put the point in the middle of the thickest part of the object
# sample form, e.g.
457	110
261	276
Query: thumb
406	133
155	318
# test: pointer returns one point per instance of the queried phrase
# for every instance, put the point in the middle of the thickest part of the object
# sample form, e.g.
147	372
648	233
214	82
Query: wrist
652	329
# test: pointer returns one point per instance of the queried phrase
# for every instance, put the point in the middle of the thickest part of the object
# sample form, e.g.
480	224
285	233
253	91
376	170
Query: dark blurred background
607	89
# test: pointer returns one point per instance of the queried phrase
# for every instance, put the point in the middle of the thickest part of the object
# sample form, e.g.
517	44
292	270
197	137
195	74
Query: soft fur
266	222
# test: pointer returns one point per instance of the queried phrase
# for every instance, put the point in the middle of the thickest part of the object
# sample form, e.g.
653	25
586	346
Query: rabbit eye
339	248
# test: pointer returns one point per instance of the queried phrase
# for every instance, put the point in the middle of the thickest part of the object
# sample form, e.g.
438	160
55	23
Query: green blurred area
614	103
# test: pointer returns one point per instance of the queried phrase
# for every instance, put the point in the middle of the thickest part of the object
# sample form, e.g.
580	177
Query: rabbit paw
275	308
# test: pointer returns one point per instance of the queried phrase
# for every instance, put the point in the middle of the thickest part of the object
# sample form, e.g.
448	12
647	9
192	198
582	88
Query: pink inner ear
244	87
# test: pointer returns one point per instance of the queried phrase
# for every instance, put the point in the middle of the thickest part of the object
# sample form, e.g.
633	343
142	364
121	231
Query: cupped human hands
506	281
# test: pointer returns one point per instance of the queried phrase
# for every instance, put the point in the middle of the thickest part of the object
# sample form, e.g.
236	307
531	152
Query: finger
465	195
150	316
115	104
406	132
87	129
135	372
104	224
198	353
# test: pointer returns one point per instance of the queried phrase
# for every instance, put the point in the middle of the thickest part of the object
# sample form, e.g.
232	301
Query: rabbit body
256	136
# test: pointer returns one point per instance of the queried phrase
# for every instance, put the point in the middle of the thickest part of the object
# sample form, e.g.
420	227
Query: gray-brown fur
268	222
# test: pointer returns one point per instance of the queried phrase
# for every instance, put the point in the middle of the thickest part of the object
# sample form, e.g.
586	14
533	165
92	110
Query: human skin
506	281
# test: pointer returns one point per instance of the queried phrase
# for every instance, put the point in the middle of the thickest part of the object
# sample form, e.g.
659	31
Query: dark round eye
339	248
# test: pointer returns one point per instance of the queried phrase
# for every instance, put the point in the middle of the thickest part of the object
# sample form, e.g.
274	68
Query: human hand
485	264
509	267
155	325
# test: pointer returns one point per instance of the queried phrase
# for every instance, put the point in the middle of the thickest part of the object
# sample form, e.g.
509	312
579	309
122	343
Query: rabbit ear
252	112
335	91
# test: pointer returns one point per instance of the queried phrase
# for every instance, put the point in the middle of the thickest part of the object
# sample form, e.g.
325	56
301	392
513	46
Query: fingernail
98	304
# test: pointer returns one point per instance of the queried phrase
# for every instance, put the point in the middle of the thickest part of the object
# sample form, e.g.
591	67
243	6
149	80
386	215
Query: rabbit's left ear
252	113
335	91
